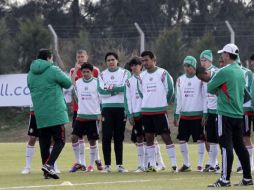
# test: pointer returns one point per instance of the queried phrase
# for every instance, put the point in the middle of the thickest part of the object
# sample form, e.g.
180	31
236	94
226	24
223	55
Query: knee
32	140
74	139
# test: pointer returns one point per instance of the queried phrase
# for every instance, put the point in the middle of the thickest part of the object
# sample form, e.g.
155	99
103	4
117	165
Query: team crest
112	77
151	79
86	88
189	83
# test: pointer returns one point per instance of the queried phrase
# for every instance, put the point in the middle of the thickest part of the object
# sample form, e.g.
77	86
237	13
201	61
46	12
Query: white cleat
121	169
26	171
106	169
139	170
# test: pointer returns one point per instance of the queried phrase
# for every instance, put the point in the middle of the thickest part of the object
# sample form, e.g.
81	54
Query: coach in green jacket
45	81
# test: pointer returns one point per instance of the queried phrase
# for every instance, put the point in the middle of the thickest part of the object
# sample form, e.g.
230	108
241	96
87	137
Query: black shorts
157	124
32	126
89	128
247	120
74	118
137	130
189	128
211	128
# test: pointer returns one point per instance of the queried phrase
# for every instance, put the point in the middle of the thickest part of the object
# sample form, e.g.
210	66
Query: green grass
12	161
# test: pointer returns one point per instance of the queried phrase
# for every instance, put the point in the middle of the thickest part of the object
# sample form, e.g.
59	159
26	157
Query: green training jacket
228	84
45	82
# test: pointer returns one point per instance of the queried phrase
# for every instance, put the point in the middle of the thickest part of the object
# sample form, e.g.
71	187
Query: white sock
201	153
250	150
141	154
213	155
158	156
50	150
75	147
29	155
185	153
151	155
97	153
82	159
93	154
145	159
171	154
238	163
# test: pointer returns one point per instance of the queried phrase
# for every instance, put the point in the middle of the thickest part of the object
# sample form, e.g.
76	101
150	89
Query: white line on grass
77	184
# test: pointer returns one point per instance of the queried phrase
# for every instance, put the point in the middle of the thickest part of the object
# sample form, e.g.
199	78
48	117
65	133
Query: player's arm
61	78
127	99
168	84
177	102
101	86
217	80
118	89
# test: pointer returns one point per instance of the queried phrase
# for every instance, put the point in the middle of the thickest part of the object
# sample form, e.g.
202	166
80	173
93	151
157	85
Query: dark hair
200	70
252	57
44	54
147	53
233	56
135	61
109	54
87	66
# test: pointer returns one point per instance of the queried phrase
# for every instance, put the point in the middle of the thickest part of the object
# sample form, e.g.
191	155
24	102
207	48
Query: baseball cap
230	48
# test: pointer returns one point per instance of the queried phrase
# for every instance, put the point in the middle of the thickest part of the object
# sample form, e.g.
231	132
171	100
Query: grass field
12	159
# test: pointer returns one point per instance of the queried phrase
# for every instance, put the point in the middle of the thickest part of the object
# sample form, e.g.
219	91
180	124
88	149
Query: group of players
144	97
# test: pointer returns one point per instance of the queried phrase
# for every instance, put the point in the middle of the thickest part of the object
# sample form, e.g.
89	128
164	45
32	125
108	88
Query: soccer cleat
239	170
151	169
185	168
199	168
57	171
90	169
121	169
244	182
46	176
220	183
139	170
82	168
75	168
106	169
174	169
99	165
49	170
26	171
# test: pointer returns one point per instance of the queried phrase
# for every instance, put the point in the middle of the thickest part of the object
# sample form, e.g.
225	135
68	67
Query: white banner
14	91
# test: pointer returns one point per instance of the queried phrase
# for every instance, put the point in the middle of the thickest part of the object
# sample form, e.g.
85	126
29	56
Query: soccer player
88	113
229	83
247	117
206	60
75	73
133	102
111	84
190	111
156	89
45	81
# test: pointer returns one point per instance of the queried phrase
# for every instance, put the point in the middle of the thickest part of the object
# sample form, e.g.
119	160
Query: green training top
228	83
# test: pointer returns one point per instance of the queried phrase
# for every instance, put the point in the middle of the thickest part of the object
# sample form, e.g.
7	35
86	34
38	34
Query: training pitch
12	160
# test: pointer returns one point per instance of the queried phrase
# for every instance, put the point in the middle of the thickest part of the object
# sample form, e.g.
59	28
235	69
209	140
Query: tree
205	42
7	53
169	50
31	38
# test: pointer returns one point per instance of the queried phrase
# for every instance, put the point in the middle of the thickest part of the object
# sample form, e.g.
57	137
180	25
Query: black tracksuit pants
57	133
230	132
113	126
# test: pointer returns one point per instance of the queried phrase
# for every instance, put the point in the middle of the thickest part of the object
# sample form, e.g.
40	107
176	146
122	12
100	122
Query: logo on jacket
112	77
189	83
151	79
86	88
